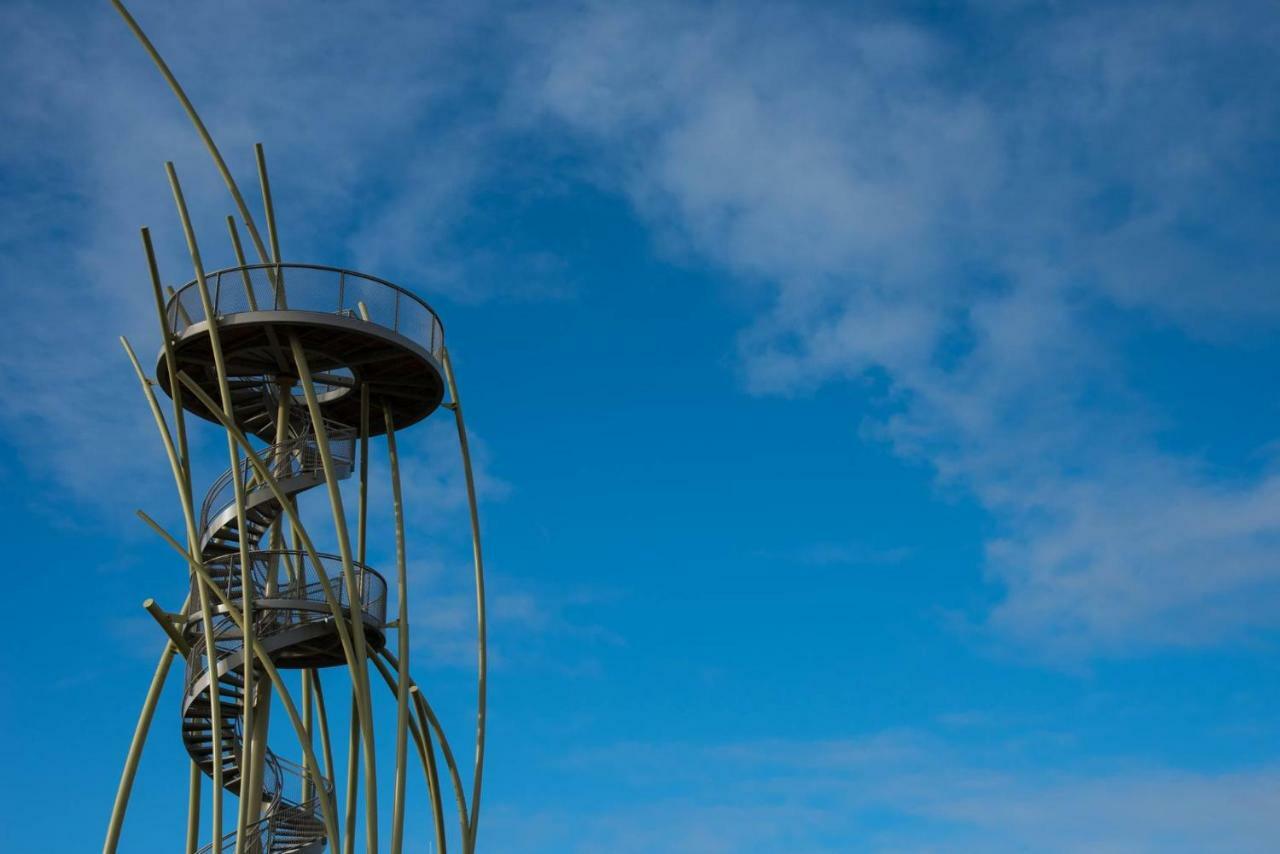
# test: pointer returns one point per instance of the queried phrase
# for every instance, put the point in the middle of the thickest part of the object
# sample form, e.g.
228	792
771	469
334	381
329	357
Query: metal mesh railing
290	578
293	804
294	458
309	287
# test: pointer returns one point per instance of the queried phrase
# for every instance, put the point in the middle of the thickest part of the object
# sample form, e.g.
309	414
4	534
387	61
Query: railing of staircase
310	287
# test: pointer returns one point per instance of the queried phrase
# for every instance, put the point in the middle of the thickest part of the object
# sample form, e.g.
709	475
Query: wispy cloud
981	242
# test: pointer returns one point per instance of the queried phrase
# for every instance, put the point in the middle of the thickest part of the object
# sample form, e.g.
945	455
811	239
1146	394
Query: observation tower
307	370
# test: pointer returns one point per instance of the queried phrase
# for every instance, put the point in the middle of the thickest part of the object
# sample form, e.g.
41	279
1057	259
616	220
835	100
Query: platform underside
341	352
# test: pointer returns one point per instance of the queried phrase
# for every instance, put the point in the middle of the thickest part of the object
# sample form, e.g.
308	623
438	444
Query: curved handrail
291	458
309	287
287	595
261	837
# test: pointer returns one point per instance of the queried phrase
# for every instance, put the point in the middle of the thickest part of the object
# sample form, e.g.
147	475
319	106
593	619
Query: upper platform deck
354	328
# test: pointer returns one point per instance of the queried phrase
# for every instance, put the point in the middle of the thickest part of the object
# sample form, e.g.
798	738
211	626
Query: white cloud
981	234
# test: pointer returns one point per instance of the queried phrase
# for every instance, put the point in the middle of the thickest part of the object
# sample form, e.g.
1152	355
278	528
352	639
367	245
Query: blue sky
874	404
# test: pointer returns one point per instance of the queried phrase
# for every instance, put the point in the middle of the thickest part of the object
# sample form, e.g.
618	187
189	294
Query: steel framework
302	366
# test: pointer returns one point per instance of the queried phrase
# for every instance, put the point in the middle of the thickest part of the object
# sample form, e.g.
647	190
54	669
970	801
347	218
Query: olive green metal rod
353	775
166	623
205	136
148	712
224	388
276	544
325	745
184	489
276	278
353	745
431	723
482	655
166	336
402	622
268	667
426	754
183	484
193	808
308	712
245	278
360	673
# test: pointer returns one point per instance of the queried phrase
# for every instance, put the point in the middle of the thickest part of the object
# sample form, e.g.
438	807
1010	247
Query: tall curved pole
482	655
203	131
193	809
224	388
116	822
402	630
182	475
426	753
359	671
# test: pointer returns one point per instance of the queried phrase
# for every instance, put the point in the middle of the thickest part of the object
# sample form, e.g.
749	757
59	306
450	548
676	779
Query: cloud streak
979	240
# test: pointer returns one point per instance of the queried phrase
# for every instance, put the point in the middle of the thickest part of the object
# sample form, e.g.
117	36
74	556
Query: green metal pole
402	634
481	628
116	821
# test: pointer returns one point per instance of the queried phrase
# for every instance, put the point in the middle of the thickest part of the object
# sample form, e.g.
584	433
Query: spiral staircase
390	351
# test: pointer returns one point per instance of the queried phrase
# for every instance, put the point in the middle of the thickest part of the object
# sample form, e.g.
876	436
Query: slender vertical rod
116	822
481	629
308	712
360	673
193	808
431	723
276	276
224	387
353	776
323	718
206	610
428	758
362	523
182	477
245	278
402	627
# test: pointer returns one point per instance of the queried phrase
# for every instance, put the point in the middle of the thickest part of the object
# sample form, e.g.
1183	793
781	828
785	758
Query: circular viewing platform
354	329
294	619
